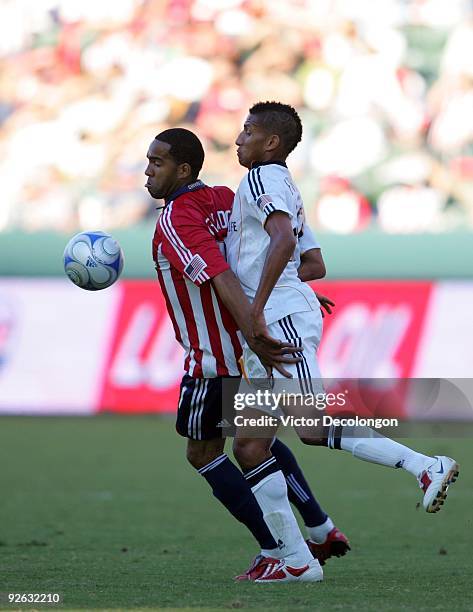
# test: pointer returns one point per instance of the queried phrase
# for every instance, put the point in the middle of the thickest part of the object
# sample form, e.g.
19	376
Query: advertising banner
53	338
68	351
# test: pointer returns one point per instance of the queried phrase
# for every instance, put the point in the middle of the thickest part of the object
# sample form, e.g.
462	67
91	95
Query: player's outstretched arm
272	352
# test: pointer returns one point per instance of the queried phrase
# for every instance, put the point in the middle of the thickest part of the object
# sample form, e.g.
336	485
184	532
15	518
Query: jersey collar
266	163
185	189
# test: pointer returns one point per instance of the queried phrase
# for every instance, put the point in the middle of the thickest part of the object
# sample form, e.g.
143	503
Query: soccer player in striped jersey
207	306
265	226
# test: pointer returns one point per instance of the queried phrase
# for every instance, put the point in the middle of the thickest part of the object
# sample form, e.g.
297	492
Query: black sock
230	487
298	490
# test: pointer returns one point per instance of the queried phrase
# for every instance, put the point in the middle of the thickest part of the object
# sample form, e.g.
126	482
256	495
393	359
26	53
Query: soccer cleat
435	480
257	567
336	545
281	572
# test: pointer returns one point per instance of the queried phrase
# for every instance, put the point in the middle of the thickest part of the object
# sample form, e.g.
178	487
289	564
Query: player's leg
325	540
299	492
199	412
230	488
434	474
268	484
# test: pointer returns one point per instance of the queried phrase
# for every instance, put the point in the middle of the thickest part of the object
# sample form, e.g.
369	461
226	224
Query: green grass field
107	512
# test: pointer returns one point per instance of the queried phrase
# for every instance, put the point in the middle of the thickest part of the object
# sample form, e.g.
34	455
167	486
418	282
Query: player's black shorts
199	412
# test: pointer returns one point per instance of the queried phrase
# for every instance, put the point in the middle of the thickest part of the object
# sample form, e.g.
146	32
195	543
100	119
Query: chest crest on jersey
218	223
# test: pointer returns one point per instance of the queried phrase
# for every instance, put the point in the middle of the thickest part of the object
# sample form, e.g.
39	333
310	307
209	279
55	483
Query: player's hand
325	304
271	352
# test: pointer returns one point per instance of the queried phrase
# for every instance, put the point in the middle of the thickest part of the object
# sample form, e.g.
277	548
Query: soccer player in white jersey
265	227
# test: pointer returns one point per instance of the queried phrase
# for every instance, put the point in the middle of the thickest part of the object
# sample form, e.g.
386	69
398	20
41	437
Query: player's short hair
186	148
280	119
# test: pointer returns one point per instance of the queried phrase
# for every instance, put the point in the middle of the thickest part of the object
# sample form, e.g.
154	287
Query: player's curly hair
282	120
186	148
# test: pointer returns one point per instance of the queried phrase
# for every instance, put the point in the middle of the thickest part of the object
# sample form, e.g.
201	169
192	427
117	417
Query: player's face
252	142
162	170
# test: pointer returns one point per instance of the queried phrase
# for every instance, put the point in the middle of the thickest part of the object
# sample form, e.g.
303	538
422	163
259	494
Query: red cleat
336	545
312	572
259	566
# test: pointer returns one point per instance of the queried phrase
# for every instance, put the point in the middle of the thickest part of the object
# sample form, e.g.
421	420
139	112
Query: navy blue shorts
200	408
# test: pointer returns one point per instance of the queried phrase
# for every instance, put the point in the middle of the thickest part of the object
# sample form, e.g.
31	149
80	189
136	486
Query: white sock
271	494
274	553
365	443
319	534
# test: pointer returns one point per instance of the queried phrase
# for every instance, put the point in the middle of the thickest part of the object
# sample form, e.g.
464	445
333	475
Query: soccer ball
93	260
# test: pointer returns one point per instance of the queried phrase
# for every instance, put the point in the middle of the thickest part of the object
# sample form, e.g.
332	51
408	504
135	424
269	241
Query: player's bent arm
312	266
272	352
281	247
229	289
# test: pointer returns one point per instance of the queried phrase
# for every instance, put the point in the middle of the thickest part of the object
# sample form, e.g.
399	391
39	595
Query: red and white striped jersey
187	255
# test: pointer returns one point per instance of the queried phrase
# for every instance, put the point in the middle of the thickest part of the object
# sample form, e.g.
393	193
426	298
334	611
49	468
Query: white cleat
435	480
312	572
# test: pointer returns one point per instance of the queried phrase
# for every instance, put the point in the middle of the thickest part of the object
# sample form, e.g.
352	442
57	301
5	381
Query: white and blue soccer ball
93	260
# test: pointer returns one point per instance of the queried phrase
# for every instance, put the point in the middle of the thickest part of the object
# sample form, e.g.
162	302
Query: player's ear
184	171
273	142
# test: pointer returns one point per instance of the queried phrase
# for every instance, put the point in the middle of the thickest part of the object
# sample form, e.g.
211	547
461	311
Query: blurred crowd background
384	89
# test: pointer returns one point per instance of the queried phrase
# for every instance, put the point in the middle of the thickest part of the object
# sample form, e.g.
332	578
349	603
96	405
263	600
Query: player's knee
251	452
313	440
195	456
200	453
313	436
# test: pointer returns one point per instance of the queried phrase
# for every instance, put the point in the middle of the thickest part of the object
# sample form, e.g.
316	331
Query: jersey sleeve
308	240
189	245
268	192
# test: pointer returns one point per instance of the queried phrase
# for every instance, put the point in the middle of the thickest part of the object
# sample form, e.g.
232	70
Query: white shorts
302	329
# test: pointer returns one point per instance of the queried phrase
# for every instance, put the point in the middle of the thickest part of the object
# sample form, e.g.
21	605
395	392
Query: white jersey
266	188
